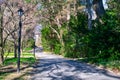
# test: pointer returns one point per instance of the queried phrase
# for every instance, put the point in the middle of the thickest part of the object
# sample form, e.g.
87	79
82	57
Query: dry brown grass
13	75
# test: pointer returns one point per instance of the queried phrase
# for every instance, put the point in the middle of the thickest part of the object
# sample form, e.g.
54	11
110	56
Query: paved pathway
53	67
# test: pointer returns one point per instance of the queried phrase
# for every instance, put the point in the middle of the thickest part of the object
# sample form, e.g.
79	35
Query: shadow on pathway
51	67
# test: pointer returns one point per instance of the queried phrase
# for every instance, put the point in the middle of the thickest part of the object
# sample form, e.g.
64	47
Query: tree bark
89	6
1	37
60	35
15	49
62	42
99	8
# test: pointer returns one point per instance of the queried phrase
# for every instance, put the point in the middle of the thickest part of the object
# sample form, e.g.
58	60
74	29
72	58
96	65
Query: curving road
53	67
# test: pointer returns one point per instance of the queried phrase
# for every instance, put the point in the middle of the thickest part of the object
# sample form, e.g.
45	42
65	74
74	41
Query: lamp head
20	11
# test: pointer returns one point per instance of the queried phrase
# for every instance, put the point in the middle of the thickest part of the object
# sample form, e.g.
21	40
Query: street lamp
20	13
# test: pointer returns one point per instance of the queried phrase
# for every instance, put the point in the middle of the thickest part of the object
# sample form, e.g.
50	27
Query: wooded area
69	32
72	28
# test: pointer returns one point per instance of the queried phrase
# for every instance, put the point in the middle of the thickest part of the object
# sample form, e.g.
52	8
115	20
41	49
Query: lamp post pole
20	12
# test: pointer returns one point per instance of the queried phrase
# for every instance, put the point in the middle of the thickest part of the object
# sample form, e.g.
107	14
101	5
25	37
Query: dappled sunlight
22	75
11	74
8	71
57	68
86	32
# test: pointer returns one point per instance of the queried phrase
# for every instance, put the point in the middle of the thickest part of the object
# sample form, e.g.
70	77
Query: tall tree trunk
62	42
99	7
60	35
15	49
89	8
1	37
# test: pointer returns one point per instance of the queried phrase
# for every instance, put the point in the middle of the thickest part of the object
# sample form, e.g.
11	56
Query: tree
57	13
9	22
2	7
89	7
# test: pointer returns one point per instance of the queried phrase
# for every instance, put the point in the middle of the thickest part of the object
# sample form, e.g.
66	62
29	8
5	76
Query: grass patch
27	49
8	54
2	76
29	61
27	55
13	61
105	63
10	66
24	54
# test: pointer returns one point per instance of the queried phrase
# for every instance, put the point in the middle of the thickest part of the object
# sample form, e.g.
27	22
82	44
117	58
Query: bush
101	42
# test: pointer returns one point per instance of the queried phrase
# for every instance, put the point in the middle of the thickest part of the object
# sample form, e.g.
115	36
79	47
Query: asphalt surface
53	67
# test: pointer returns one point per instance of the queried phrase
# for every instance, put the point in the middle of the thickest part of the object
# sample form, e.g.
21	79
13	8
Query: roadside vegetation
99	46
65	32
8	69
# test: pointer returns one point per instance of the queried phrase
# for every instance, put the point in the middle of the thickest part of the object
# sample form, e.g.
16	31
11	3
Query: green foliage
112	64
50	41
104	38
77	30
45	37
28	45
28	1
101	42
57	48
